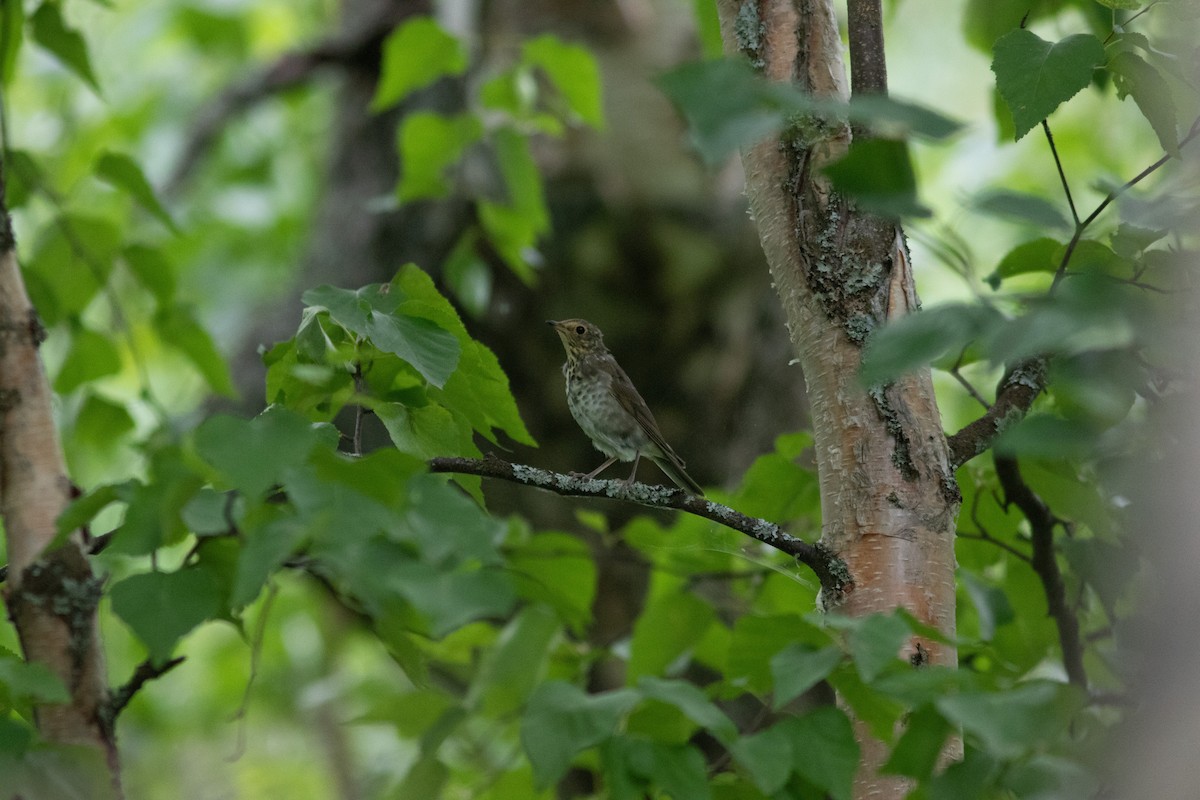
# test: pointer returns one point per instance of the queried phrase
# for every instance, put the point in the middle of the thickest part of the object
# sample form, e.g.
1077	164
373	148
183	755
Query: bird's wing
627	395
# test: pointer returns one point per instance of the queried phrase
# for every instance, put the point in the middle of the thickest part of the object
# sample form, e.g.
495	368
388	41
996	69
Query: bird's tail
674	470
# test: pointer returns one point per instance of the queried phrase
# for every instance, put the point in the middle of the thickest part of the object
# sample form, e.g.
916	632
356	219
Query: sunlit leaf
1035	76
67	45
430	143
92	355
124	173
573	71
415	55
178	326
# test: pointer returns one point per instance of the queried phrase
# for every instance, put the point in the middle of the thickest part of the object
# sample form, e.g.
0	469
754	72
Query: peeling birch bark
888	495
51	594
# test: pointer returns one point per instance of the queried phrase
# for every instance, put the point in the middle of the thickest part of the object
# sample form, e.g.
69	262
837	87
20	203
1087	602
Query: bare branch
1062	175
146	672
292	69
1019	387
1045	564
830	570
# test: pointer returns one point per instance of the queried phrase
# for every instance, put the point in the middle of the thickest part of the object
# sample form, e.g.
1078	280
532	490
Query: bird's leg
597	470
637	457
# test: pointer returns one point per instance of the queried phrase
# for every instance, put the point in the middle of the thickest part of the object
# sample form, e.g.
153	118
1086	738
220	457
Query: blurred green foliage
351	617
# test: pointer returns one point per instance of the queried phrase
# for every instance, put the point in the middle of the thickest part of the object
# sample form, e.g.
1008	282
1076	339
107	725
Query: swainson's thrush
609	409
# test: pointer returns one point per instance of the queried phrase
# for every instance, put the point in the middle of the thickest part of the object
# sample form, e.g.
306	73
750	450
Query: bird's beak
552	323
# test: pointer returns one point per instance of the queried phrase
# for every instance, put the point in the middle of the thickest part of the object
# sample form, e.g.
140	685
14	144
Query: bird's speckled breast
610	427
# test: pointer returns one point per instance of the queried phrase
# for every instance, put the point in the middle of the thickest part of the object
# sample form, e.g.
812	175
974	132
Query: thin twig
146	671
256	643
983	536
830	570
1109	198
1062	175
971	390
1045	563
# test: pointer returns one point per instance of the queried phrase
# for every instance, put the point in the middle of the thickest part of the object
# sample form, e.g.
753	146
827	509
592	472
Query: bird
608	407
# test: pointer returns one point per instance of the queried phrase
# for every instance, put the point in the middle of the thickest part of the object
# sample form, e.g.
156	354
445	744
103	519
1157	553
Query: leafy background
361	628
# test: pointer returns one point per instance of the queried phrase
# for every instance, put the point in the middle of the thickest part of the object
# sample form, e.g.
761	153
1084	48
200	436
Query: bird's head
579	337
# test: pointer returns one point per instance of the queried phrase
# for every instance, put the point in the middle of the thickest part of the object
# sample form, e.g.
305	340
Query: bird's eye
579	330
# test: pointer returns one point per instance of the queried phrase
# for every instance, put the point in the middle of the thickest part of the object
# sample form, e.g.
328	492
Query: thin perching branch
829	568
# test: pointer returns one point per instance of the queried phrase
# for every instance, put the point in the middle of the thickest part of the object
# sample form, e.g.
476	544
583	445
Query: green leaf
878	173
179	328
556	569
767	755
1017	721
690	700
66	44
82	510
514	226
920	746
876	642
1035	76
515	665
372	312
265	548
30	682
124	173
426	431
101	422
1028	208
449	600
798	668
560	720
153	517
431	349
824	750
253	455
914	340
990	602
12	27
152	269
679	770
728	105
1047	436
91	356
1038	255
573	70
966	778
415	55
71	261
162	607
668	626
1127	5
429	143
1135	77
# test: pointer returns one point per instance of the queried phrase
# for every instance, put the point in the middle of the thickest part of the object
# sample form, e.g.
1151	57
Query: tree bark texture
51	594
888	496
